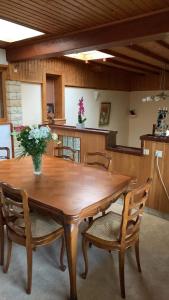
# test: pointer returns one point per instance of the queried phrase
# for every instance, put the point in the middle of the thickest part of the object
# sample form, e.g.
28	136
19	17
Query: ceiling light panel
89	55
11	32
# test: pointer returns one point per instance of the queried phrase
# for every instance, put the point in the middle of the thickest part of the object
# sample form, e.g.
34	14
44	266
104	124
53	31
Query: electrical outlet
159	153
146	151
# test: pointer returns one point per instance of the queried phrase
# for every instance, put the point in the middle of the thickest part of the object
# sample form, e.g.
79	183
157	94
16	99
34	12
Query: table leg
71	237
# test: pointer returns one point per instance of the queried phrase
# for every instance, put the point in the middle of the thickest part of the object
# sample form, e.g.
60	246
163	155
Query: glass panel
76	144
72	142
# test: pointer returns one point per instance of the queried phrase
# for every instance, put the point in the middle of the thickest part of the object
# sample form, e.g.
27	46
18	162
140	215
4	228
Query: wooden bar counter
90	139
127	160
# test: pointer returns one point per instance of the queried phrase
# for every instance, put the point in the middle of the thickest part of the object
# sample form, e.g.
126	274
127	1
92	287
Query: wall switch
159	153
146	151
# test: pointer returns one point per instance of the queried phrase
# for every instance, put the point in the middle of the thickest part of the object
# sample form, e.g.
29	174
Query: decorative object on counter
81	111
105	108
50	113
162	95
161	126
33	141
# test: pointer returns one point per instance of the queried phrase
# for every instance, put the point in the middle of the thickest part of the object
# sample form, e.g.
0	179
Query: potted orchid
81	111
33	140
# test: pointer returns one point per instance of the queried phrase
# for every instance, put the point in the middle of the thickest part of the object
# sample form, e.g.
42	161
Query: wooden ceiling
64	16
145	57
109	25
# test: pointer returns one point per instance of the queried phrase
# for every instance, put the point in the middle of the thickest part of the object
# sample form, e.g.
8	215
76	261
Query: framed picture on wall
105	108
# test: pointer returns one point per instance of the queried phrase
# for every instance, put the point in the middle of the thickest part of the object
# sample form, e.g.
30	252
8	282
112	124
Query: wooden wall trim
4	76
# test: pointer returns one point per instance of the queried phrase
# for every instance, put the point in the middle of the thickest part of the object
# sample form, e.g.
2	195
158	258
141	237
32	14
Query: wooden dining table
70	191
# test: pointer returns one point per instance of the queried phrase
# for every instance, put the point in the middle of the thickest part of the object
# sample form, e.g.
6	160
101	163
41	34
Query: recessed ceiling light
11	32
89	55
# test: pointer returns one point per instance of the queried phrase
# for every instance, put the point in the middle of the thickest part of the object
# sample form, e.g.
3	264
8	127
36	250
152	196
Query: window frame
3	71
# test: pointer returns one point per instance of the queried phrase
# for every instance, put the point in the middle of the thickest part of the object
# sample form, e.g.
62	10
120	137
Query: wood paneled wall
158	199
79	74
148	82
143	167
69	73
75	73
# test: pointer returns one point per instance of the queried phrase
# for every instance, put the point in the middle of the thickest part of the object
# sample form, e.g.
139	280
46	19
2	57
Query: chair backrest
98	159
7	155
15	210
65	152
134	204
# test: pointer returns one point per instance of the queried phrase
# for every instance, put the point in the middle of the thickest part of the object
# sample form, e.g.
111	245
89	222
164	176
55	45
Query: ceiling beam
163	44
148	66
119	63
149	53
123	32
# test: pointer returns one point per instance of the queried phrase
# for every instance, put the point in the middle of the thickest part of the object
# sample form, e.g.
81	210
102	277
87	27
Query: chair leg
137	255
29	269
90	220
121	272
62	266
2	244
84	249
9	251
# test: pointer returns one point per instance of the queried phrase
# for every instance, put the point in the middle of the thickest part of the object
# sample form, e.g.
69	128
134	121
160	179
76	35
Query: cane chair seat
41	225
106	228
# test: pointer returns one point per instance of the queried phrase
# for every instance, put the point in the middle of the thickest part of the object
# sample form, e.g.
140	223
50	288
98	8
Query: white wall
146	115
3	60
31	103
5	138
92	98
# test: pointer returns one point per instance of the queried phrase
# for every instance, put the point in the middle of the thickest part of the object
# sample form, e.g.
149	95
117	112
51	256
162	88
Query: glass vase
80	125
37	164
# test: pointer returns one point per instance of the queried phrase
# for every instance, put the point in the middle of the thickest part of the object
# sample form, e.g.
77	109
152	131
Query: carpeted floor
102	283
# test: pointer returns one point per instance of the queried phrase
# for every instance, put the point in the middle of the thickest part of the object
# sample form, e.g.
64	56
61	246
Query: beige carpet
102	283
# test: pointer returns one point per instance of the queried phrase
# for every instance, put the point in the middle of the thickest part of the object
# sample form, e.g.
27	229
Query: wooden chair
98	159
115	232
7	156
70	153
29	229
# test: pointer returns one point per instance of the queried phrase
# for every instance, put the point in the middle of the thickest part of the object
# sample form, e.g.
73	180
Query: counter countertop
85	130
155	138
